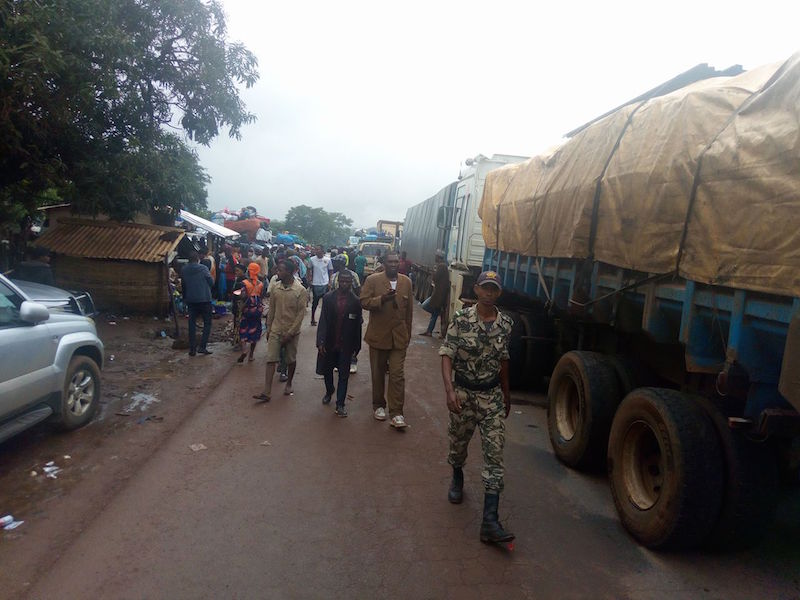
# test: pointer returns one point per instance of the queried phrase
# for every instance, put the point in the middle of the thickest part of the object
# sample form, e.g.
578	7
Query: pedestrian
387	296
252	311
475	364
338	338
307	263
37	268
282	368
438	298
321	269
301	267
230	271
207	259
196	285
360	262
405	264
338	268
237	302
263	262
287	307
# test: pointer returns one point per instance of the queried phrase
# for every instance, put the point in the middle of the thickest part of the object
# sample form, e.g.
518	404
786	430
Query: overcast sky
367	108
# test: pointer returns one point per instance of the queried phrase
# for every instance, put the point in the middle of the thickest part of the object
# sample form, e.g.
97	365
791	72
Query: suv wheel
81	393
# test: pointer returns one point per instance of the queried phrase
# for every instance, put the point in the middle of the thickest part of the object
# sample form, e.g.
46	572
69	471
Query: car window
9	307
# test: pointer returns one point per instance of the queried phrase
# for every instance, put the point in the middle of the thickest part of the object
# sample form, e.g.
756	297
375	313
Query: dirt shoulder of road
148	390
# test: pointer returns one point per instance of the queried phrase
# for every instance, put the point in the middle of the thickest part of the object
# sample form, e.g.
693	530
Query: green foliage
318	226
90	88
277	226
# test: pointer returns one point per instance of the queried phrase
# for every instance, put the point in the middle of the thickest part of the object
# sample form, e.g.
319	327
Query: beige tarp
743	226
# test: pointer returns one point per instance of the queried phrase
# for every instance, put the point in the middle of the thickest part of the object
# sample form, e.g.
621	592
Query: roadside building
123	265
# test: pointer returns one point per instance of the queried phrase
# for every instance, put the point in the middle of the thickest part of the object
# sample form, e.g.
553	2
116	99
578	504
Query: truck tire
750	493
626	370
583	396
81	395
665	469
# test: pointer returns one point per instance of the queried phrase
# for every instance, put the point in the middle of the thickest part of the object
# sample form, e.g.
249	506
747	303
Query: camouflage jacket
476	353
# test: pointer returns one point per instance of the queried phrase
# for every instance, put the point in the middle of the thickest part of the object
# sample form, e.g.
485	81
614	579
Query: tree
277	226
318	226
90	88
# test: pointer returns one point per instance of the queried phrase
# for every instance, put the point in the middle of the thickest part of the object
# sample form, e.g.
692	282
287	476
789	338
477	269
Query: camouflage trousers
486	411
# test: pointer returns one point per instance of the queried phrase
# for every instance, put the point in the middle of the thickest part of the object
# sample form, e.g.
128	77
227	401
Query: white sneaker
398	422
353	368
380	413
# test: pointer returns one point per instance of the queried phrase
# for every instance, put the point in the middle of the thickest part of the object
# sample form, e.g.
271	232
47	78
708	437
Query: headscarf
253	270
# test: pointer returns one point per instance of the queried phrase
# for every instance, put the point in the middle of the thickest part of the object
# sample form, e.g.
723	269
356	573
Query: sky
368	108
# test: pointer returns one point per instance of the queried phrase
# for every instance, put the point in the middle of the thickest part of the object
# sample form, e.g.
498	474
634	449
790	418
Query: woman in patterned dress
252	310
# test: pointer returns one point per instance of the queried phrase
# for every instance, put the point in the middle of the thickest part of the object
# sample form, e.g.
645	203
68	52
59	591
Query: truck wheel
583	396
665	468
81	394
626	371
750	495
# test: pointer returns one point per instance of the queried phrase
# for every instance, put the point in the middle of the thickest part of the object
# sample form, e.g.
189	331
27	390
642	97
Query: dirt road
288	501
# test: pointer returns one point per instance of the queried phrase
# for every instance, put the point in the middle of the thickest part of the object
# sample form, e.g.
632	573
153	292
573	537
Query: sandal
261	398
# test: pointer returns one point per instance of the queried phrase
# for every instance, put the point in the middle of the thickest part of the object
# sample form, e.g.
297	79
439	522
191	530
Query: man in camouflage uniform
475	373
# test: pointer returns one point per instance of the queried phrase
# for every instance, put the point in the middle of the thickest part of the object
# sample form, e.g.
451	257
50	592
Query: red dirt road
288	501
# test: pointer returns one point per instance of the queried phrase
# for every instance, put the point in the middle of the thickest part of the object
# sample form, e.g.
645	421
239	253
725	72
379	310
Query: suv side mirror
33	312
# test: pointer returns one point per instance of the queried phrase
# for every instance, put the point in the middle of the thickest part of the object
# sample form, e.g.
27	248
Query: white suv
50	363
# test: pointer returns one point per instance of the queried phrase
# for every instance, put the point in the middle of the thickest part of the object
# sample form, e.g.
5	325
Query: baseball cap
489	277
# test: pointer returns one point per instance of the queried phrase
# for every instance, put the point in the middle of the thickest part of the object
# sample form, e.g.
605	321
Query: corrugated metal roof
109	239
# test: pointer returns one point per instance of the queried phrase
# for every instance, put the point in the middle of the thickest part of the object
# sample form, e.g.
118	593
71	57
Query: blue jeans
435	312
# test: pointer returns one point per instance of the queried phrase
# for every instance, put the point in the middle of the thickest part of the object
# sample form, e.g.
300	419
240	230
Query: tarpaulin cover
705	180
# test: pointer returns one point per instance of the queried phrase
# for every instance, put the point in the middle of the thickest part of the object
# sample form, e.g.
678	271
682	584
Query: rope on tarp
696	178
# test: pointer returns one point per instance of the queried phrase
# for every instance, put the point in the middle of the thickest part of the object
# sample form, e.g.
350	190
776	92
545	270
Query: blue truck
651	265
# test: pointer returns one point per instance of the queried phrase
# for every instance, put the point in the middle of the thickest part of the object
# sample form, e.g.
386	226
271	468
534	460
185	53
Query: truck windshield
373	249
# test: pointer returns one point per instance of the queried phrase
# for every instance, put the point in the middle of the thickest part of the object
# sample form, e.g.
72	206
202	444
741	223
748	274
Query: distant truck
651	267
448	222
371	249
390	229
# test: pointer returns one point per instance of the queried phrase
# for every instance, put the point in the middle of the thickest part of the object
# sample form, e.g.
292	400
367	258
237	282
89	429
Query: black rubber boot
456	492
491	529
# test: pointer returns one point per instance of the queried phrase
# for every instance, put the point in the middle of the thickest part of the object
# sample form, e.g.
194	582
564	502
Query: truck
448	223
651	266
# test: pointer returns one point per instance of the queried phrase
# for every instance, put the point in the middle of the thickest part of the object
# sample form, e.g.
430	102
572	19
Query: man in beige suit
388	298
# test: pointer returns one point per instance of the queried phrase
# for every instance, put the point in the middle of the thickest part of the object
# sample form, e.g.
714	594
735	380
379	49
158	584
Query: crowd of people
474	351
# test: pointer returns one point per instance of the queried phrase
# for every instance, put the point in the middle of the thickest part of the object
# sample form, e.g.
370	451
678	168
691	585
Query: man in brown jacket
388	298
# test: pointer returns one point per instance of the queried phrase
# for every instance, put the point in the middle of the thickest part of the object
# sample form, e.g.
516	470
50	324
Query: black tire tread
601	389
697	453
750	495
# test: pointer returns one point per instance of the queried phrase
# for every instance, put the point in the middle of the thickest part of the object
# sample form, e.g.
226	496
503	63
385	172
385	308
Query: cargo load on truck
704	181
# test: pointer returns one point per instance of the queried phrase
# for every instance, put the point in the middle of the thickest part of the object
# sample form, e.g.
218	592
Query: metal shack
123	265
